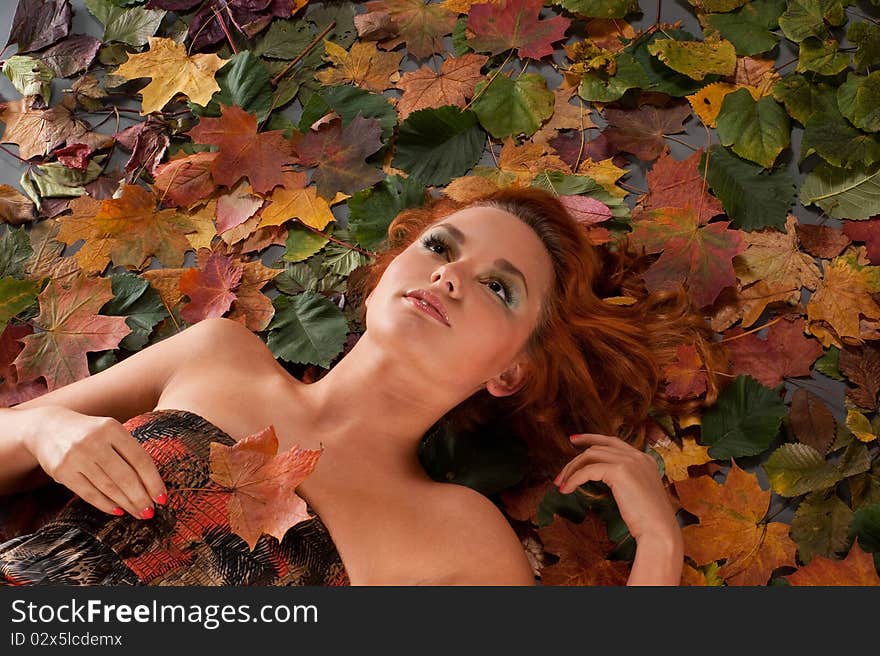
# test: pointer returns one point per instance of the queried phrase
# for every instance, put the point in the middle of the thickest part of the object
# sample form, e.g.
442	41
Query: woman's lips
424	307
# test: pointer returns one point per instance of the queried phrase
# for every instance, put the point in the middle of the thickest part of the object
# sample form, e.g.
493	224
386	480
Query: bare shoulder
486	549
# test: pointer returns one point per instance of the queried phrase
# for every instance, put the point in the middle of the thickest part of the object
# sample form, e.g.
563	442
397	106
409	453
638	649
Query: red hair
595	367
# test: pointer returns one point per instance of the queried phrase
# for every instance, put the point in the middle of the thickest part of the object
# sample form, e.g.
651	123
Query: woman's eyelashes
434	240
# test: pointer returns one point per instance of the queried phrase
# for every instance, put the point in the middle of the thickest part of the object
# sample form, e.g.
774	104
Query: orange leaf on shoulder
262	482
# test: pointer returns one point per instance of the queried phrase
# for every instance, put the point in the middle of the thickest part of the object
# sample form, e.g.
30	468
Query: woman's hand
98	459
641	497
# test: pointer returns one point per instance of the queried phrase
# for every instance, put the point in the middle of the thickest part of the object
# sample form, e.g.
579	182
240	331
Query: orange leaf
583	554
262	483
856	569
209	288
452	86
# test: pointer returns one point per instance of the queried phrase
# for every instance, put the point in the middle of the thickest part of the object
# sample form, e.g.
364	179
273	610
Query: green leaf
757	131
54	179
866	527
836	141
460	45
598	86
285	39
827	364
488	460
752	197
600	8
347	100
339	260
141	305
301	244
820	525
803	98
806	18
822	57
372	210
744	421
866	37
855	460
696	59
749	28
306	329
843	193
132	26
661	78
245	82
859	100
717	5
15	251
563	184
795	469
29	76
437	144
512	107
15	296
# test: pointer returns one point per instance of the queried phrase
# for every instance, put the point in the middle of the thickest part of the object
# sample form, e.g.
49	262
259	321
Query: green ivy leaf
821	57
437	144
744	421
372	210
306	329
757	131
749	27
752	197
843	193
141	305
859	100
512	107
795	469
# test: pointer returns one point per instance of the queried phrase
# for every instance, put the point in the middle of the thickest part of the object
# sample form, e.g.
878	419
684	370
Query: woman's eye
501	288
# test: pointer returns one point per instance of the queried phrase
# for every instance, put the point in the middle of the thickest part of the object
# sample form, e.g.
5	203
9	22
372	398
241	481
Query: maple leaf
856	569
583	553
363	65
12	390
339	154
421	25
39	131
640	131
677	459
514	24
243	150
186	180
209	288
824	241
15	208
786	352
455	83
695	254
686	376
867	231
732	527
70	326
172	72
775	258
566	116
262	483
297	200
127	230
251	307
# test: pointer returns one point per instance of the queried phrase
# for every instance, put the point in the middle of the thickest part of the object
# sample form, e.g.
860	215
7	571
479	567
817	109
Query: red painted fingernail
572	437
161	499
147	513
118	511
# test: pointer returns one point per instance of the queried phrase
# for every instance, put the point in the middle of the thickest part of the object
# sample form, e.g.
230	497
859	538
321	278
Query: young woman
493	308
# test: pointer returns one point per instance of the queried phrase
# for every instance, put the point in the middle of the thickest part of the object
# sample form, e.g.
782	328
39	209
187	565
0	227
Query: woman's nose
448	276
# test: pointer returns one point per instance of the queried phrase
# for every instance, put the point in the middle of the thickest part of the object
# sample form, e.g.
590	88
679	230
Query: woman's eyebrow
501	263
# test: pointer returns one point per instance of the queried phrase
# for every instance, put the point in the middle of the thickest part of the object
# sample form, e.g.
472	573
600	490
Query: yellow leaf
206	230
859	425
606	174
172	72
677	460
296	200
363	65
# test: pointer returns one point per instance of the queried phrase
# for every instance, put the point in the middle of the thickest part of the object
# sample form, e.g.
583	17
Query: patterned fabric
188	542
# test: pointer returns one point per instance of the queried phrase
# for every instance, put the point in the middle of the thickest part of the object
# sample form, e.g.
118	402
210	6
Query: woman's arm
642	499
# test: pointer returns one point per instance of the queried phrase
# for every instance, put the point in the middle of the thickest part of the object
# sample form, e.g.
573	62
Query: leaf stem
295	60
683	143
225	30
494	75
749	332
9	152
333	239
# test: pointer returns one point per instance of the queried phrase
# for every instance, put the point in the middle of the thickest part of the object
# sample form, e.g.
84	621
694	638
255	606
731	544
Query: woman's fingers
594	472
98	478
139	460
593	454
83	488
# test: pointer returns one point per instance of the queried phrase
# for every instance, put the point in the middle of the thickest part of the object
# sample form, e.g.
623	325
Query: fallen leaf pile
266	146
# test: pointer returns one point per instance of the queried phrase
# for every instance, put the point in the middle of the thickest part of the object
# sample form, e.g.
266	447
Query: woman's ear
507	382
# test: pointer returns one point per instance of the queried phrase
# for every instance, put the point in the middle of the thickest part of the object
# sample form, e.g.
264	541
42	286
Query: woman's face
490	271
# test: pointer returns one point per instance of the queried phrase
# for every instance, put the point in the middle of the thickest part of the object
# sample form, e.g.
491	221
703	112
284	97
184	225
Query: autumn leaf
678	183
641	131
186	180
296	199
732	527
583	554
339	153
262	484
857	569
698	255
452	86
677	459
362	65
39	131
514	24
243	151
70	326
421	25
686	375
209	288
172	72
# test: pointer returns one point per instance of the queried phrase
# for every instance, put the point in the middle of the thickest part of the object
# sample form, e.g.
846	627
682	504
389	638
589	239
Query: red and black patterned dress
188	542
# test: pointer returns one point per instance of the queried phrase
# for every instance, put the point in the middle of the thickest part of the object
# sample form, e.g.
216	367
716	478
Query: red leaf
210	288
514	24
640	131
